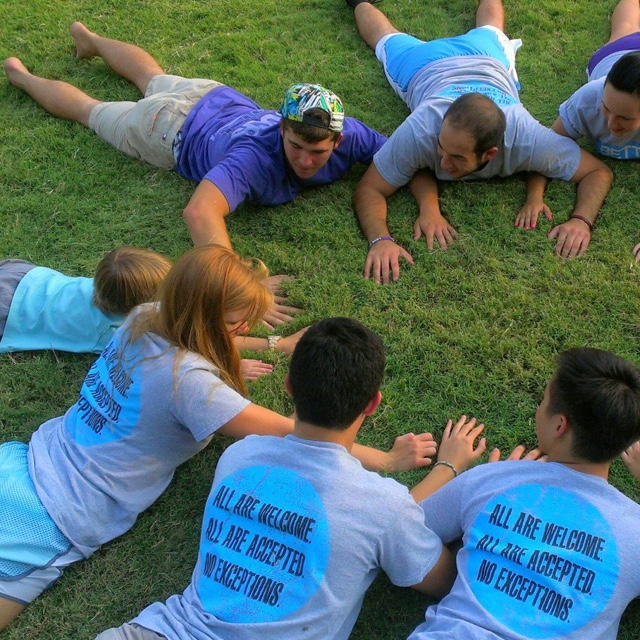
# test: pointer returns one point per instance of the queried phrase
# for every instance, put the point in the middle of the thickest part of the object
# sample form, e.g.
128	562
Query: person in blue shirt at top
466	122
606	110
210	133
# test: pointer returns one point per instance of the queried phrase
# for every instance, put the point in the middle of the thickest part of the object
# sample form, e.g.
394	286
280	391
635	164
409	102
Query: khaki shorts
130	632
146	129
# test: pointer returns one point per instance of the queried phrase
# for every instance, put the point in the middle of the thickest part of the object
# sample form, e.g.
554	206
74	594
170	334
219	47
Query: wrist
272	343
449	466
575	216
379	239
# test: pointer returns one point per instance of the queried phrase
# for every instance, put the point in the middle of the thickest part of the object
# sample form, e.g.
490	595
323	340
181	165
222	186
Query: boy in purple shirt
209	132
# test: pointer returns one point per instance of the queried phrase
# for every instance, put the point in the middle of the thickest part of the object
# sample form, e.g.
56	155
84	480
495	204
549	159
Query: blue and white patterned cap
300	98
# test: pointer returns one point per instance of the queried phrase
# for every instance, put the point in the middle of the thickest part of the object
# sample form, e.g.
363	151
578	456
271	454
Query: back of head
479	117
312	112
625	74
599	393
127	277
335	371
203	285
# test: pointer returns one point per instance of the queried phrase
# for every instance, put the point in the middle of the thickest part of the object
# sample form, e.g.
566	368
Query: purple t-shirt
229	140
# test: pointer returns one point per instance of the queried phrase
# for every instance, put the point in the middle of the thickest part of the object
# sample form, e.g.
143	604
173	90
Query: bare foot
15	71
82	38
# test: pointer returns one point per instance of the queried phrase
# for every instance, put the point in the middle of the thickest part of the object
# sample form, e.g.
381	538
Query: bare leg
490	12
60	99
625	19
372	23
127	60
9	611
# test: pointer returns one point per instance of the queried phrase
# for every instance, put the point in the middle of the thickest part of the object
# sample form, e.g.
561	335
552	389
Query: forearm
536	185
436	478
591	193
424	188
370	458
371	210
205	216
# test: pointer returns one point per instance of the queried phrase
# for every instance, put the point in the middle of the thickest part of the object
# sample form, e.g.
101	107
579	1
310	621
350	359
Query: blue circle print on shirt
264	547
542	561
110	399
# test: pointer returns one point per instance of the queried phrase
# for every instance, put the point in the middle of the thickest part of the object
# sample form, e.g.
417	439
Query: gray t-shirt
582	117
549	553
114	452
294	532
528	146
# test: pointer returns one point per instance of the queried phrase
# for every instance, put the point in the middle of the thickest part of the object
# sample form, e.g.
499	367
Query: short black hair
336	370
309	132
625	74
481	118
599	393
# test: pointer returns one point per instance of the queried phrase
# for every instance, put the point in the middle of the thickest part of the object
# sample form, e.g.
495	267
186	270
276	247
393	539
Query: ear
281	128
489	155
287	385
562	428
374	404
338	140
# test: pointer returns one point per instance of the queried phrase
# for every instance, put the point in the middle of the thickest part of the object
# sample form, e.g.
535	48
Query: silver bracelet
272	341
447	464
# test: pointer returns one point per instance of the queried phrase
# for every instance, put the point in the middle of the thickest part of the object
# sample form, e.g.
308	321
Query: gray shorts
130	632
146	129
11	274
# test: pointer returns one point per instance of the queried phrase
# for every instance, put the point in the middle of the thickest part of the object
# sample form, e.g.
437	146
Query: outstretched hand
527	217
517	454
434	227
457	445
410	451
280	312
572	238
631	459
383	259
252	369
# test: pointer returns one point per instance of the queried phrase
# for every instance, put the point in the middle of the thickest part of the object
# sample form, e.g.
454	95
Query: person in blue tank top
41	308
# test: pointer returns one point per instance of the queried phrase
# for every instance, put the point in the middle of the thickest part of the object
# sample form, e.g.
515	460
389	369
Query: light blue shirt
52	311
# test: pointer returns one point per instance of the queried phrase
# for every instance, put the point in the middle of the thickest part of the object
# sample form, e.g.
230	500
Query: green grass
474	329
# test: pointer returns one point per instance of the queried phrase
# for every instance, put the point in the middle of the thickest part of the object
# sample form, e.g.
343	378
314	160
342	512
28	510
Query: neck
599	469
346	437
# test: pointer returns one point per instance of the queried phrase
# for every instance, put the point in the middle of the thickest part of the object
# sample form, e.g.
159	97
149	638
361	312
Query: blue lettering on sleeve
544	570
628	151
264	546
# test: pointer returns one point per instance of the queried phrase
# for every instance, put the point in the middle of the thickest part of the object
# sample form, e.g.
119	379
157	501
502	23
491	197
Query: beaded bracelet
272	342
447	464
380	238
587	222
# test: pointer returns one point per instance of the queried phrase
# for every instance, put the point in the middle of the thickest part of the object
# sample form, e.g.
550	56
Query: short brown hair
481	118
127	277
310	133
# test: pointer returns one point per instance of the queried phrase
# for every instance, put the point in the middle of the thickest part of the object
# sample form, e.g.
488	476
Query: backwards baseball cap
301	98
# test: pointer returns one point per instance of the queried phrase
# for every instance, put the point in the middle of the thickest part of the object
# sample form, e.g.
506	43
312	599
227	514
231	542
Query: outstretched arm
370	200
534	205
430	223
594	180
205	214
408	452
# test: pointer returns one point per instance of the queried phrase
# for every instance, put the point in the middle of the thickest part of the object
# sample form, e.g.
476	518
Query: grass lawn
471	330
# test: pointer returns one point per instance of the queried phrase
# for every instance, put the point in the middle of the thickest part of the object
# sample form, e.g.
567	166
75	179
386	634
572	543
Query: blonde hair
203	285
127	277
